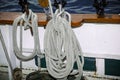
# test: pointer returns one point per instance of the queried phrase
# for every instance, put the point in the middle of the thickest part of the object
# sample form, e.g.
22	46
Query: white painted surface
99	38
100	66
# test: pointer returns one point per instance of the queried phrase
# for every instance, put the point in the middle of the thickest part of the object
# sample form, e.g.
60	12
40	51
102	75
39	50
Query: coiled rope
26	21
62	48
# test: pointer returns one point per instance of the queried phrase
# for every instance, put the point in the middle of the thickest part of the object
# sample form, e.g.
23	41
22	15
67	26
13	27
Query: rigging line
6	52
51	9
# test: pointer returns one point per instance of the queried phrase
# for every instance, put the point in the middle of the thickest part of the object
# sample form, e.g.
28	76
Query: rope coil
62	48
25	21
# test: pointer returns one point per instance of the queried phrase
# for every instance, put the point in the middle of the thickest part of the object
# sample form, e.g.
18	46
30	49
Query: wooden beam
77	19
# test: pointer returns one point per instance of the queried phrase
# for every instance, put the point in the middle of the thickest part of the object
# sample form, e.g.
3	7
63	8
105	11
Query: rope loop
62	48
26	21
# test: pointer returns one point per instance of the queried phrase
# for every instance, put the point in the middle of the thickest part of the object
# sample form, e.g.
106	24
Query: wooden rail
77	19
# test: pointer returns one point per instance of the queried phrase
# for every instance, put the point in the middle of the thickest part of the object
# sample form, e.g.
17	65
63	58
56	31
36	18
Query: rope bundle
25	20
62	48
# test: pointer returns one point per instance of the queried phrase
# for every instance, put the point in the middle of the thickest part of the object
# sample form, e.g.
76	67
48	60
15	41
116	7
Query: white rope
62	48
51	9
25	21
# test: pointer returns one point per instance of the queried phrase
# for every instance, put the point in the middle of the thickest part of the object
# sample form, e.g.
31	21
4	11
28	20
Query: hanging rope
24	21
62	48
51	9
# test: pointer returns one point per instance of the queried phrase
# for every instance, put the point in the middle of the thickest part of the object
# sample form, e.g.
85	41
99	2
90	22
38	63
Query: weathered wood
77	19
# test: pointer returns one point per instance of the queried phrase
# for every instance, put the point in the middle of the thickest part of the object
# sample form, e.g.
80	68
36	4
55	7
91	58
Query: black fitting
99	6
62	2
56	4
24	5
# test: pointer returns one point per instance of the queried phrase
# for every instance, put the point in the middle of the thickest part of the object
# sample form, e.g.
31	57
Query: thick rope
24	21
62	48
51	9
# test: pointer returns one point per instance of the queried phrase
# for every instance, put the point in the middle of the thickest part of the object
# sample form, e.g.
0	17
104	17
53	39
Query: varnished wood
77	19
43	3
